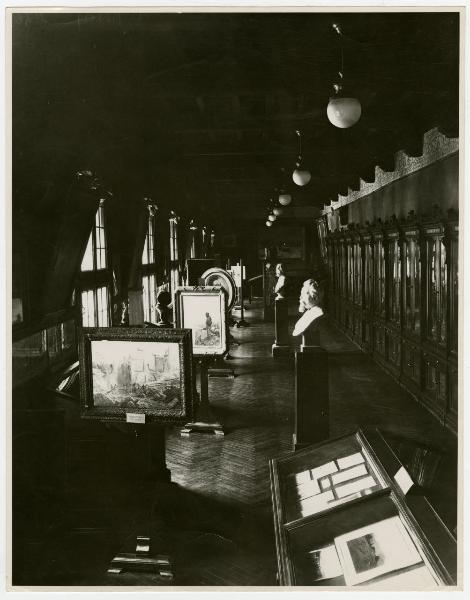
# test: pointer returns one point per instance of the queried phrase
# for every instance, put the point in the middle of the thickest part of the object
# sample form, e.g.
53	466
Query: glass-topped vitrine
342	518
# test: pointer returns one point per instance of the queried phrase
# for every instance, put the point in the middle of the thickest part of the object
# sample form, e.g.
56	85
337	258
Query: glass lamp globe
277	210
285	199
272	218
301	176
268	223
343	112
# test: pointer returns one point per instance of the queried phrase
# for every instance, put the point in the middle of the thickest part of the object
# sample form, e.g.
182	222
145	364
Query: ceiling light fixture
300	176
343	110
268	224
285	199
277	210
272	218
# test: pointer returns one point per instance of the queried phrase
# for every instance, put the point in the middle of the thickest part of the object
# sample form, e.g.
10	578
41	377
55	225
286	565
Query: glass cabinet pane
350	271
395	280
443	293
454	290
436	322
412	286
379	268
368	273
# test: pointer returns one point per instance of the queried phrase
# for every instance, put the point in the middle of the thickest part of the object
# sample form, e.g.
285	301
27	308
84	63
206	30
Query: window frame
98	278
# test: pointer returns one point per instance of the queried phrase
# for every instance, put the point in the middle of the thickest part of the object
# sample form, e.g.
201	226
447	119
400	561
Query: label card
135	418
355	486
303	477
341	476
350	461
323	470
403	479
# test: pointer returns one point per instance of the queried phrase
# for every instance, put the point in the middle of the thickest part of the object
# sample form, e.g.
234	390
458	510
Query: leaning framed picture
203	310
135	374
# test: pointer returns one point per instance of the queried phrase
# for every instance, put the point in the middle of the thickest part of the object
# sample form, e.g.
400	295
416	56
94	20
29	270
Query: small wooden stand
205	421
281	345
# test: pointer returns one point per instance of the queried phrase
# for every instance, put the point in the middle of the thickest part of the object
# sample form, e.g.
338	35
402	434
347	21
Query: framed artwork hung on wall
135	374
203	310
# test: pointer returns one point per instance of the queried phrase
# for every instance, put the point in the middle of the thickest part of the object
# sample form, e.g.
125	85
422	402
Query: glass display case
411	281
357	270
435	284
394	276
341	518
379	273
453	236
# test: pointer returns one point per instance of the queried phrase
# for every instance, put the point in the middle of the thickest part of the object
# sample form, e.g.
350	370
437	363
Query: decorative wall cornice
435	147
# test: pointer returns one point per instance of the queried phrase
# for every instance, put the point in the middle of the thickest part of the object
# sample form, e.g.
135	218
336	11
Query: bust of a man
280	288
309	306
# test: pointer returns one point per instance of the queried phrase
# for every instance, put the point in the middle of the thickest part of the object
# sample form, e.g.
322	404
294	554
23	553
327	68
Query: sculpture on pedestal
280	288
307	325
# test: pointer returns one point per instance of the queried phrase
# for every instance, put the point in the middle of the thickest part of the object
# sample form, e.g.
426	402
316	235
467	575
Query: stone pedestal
281	344
311	396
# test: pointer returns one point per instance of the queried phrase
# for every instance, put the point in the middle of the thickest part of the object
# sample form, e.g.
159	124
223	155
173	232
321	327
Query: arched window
149	266
95	277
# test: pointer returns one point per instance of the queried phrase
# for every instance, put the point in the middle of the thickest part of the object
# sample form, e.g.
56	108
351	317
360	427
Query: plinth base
281	350
200	427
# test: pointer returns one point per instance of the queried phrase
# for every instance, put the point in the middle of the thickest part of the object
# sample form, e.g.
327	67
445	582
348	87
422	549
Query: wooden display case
348	497
401	304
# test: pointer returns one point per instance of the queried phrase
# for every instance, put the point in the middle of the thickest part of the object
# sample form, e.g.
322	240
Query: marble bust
308	305
280	288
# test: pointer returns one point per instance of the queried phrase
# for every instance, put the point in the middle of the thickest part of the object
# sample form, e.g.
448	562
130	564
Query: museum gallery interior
234	354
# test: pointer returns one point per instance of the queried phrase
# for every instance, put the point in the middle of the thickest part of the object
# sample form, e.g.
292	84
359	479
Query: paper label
323	470
403	480
341	476
350	461
135	417
355	486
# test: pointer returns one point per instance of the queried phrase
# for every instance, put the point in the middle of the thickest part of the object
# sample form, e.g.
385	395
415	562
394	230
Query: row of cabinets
393	288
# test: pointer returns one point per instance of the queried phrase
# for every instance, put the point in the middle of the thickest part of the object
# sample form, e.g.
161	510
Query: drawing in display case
342	518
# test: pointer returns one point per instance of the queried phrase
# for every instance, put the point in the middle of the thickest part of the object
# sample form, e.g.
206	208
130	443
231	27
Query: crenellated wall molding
436	146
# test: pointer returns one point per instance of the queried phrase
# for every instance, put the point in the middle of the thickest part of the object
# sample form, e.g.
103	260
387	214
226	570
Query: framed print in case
203	310
136	375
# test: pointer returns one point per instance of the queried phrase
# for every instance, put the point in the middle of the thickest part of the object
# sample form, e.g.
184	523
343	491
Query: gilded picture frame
136	375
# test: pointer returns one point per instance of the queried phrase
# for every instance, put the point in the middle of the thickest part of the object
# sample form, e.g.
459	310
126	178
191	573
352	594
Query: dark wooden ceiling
199	111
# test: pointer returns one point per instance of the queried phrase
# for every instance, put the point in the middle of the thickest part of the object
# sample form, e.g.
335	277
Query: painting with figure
202	310
136	374
202	315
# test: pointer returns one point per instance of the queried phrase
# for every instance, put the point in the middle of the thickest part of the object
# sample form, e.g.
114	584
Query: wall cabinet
395	289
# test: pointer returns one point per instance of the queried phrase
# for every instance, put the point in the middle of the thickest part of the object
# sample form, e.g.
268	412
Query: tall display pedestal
150	453
311	396
281	345
205	421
